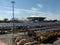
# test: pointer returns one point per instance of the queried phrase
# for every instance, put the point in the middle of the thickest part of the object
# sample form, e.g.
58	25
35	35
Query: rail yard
33	35
29	33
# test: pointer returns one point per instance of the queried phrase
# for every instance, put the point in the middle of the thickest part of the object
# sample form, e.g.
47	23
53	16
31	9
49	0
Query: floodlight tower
13	15
13	19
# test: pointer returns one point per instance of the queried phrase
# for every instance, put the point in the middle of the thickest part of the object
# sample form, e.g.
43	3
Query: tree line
6	20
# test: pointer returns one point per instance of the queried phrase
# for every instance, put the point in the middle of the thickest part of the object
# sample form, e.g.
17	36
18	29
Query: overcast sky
25	8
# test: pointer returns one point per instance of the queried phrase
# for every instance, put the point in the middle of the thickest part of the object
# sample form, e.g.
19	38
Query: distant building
36	19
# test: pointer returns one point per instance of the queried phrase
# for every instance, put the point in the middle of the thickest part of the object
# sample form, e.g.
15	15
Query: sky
29	8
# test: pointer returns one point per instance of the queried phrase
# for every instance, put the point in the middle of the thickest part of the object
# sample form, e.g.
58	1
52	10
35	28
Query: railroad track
45	33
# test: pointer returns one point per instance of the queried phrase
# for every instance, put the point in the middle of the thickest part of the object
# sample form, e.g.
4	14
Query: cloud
31	12
10	12
40	5
48	15
34	16
34	9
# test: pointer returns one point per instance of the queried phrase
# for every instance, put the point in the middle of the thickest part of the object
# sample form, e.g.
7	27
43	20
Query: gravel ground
7	38
3	43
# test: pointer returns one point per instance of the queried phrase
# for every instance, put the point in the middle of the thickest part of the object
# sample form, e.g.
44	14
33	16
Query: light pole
13	20
13	15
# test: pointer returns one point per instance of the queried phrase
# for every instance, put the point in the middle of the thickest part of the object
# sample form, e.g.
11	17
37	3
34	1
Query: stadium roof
36	17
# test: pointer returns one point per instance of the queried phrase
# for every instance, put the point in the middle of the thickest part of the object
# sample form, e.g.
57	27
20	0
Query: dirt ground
6	39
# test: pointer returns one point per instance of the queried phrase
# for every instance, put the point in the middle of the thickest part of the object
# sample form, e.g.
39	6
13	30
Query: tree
5	20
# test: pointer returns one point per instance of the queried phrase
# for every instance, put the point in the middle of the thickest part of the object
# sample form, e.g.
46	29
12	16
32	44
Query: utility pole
13	20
